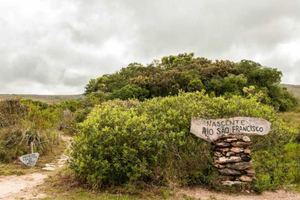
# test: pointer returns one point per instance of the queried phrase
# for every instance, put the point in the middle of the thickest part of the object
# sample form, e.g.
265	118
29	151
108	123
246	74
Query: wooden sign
29	159
212	129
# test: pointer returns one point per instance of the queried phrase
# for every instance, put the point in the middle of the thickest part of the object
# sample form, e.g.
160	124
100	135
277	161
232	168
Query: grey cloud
212	27
31	67
75	79
59	45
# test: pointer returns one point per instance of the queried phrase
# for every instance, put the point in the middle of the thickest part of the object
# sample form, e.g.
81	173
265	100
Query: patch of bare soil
13	186
204	194
24	187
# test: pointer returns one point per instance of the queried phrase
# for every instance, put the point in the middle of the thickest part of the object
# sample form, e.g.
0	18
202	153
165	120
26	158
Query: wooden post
64	124
31	146
52	139
57	138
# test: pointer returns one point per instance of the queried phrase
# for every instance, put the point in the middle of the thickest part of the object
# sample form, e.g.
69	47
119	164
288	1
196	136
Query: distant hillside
43	98
294	89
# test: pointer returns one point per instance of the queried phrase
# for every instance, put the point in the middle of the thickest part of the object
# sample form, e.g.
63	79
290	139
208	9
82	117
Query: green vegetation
131	128
189	74
124	143
56	187
16	168
23	122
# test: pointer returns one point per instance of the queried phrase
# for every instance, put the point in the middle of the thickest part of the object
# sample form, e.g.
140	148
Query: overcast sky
57	46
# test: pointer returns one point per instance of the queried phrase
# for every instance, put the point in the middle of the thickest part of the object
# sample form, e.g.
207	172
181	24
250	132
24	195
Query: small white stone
229	160
245	178
49	168
231	183
246	139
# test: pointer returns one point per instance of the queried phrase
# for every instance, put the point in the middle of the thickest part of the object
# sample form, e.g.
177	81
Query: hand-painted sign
212	129
29	159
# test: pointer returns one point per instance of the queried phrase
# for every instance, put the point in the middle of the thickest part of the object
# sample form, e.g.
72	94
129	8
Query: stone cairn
233	160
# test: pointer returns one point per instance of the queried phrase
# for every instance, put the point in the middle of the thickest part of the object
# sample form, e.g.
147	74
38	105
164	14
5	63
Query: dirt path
204	194
24	187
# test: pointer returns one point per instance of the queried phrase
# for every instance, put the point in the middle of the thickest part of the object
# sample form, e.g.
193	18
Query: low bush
23	122
125	143
15	142
11	112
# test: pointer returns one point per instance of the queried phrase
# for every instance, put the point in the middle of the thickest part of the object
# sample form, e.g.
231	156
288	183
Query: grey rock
232	159
222	144
217	153
230	154
240	165
247	151
241	144
246	139
237	149
246	178
250	172
219	166
231	183
230	139
227	171
246	158
222	149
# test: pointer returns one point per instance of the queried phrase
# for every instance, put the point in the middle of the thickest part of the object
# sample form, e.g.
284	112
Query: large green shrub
188	73
121	143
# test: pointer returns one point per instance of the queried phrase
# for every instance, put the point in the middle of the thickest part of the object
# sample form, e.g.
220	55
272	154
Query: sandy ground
13	186
204	194
24	187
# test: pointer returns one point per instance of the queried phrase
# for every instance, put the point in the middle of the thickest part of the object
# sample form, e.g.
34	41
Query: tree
186	73
131	92
195	85
90	87
182	59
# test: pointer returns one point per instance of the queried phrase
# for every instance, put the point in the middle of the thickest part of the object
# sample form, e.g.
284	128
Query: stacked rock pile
233	160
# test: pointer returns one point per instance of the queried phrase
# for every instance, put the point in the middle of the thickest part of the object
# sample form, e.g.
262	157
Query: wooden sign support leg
31	147
233	160
58	137
52	142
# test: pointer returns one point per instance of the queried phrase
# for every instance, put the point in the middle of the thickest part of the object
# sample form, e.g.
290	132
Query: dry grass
63	185
293	118
18	168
